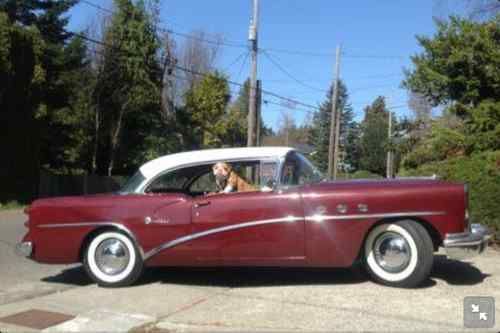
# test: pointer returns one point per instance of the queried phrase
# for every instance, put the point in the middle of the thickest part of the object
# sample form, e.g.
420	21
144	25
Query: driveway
181	299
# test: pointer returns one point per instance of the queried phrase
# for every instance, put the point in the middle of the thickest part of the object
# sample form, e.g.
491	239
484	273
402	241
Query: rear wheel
399	254
111	259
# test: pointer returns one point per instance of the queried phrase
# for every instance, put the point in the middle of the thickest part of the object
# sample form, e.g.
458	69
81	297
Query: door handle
201	203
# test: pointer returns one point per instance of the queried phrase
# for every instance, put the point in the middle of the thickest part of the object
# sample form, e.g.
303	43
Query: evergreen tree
374	141
319	136
206	103
130	79
237	124
459	68
33	61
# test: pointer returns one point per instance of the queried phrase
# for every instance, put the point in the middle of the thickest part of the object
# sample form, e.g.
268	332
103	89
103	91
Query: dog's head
221	172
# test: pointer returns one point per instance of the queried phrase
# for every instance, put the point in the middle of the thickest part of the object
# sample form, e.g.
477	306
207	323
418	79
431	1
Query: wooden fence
52	185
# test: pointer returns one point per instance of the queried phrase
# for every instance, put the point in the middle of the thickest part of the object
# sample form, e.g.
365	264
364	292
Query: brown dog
227	180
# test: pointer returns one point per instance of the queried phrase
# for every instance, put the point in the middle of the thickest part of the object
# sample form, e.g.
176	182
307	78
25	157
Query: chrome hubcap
112	256
392	252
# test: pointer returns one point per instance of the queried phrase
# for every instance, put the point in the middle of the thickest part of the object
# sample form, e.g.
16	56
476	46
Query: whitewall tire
112	259
399	254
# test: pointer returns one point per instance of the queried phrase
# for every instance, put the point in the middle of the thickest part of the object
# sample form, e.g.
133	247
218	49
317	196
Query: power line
242	66
287	106
379	76
287	73
368	56
370	88
239	44
329	55
299	53
270	93
91	4
238	58
177	33
201	39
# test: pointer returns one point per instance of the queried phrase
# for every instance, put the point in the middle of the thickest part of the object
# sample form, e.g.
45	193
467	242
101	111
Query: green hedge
360	174
482	172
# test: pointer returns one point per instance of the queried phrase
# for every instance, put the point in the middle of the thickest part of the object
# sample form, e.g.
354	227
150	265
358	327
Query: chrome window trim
141	188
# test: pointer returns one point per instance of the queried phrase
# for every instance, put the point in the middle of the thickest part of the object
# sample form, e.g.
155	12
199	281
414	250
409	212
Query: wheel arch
432	231
111	227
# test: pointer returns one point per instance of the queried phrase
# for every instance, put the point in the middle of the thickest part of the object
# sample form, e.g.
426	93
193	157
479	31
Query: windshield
314	175
298	170
133	183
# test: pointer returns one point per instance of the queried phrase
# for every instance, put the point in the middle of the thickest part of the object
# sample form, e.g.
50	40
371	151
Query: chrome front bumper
24	249
467	244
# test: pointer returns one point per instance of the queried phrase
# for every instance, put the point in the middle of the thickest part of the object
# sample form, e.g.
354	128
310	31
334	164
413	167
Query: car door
262	227
167	218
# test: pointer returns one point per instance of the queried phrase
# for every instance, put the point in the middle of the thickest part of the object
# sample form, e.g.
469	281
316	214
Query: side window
169	182
297	170
204	183
268	172
256	175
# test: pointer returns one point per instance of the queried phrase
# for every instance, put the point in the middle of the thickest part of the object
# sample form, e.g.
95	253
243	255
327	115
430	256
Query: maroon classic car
168	214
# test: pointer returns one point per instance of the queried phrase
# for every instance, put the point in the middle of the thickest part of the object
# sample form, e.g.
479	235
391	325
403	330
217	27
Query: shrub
11	205
364	174
482	172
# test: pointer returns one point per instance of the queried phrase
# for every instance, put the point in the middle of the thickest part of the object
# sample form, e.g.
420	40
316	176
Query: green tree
236	121
206	103
130	79
21	55
459	68
374	141
35	63
69	126
319	135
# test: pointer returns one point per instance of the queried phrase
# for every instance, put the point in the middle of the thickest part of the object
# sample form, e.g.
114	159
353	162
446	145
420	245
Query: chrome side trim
79	224
321	218
188	238
96	224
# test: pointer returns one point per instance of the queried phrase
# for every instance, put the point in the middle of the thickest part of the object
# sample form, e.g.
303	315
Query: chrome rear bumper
467	244
24	249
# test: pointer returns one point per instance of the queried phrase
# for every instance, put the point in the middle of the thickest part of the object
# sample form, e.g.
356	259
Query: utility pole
259	112
252	108
389	151
334	123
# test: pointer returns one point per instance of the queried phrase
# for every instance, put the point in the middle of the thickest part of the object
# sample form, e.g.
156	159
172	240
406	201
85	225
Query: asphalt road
174	299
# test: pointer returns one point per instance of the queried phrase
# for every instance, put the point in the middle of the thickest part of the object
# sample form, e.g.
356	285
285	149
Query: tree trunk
115	138
96	140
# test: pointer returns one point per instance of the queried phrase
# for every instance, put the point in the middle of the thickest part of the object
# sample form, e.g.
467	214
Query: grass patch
11	205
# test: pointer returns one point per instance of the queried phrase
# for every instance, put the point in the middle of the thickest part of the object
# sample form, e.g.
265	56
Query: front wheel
111	259
399	254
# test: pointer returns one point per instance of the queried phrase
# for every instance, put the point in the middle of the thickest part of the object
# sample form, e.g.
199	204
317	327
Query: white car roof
152	168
